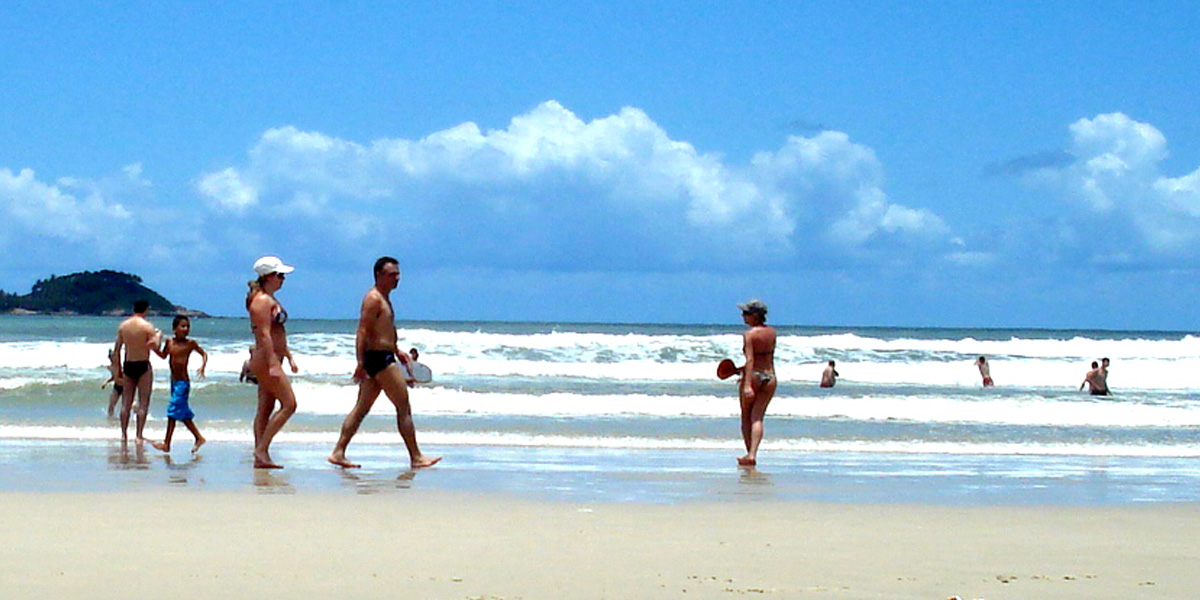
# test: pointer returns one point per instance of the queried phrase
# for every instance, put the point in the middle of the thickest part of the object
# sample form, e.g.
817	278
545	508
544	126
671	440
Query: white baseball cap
271	264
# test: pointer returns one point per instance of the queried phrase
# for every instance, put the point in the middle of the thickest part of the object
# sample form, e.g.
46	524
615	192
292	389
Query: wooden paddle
726	369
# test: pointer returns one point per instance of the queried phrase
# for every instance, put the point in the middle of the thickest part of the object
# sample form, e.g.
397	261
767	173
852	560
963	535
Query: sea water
635	412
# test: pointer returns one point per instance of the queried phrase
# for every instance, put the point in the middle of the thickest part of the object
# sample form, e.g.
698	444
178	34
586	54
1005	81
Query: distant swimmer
758	383
378	369
985	371
247	374
416	372
138	337
118	389
1095	381
1104	375
829	377
267	318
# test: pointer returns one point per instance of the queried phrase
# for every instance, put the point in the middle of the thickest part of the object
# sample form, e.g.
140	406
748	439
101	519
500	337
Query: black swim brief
375	361
134	369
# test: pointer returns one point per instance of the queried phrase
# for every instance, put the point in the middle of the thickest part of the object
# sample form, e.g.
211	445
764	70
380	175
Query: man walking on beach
138	337
378	369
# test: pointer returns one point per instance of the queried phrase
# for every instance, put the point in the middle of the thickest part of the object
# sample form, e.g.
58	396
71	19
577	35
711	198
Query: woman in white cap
267	317
757	385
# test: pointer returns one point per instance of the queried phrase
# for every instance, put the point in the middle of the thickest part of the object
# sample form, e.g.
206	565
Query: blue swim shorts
178	409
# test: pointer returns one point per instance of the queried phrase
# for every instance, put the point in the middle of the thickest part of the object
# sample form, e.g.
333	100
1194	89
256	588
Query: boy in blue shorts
177	351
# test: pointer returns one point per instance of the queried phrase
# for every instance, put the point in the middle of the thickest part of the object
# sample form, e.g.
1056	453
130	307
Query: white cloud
554	190
227	191
31	207
1116	177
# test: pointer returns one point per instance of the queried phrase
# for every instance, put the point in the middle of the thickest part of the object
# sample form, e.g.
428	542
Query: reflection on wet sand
123	456
270	481
364	483
751	476
179	472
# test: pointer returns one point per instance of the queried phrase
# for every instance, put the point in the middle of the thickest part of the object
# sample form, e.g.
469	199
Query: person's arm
203	358
748	368
116	357
366	315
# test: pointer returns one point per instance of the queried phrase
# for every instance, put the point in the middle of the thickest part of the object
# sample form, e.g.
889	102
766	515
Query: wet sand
187	543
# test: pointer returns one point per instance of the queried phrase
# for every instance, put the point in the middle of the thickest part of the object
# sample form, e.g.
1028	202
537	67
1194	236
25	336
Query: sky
941	164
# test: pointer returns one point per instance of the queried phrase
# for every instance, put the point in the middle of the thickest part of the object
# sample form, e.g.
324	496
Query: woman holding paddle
757	384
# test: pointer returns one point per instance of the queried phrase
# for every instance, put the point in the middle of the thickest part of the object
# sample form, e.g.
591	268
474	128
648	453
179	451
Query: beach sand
199	544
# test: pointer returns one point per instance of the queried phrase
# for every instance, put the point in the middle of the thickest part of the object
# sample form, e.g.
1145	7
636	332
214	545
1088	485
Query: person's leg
191	425
758	411
281	390
126	406
145	385
266	404
166	445
368	391
391	380
113	398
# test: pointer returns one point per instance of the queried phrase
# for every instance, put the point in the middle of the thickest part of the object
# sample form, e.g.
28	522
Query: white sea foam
777	445
1079	410
1051	364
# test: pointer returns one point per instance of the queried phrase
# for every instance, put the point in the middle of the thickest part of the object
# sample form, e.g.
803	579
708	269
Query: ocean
634	412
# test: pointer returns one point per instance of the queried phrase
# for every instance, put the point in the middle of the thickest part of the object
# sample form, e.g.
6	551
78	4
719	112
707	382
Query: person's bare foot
263	461
746	461
199	442
340	460
425	461
164	447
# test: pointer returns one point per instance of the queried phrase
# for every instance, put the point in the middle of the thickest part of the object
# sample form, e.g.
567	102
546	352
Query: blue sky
894	163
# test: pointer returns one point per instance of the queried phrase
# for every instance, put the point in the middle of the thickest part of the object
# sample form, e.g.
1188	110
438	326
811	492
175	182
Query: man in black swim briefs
378	370
375	361
137	336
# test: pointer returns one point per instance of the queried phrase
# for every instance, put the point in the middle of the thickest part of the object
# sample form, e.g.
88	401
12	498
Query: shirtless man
829	377
1104	375
985	371
138	337
757	384
1095	381
378	369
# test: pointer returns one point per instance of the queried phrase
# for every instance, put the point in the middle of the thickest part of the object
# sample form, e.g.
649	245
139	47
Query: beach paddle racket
417	372
726	369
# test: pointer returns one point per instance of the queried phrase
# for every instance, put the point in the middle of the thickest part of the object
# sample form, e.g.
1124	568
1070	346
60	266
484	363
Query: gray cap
754	306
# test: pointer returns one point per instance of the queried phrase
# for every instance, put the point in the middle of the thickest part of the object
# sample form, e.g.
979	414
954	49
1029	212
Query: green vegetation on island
89	293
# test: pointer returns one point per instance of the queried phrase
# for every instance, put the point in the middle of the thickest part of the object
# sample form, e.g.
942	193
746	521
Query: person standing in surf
138	337
378	369
829	376
757	384
985	371
1094	380
267	318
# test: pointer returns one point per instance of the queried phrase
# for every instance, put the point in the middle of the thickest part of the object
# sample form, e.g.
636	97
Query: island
107	293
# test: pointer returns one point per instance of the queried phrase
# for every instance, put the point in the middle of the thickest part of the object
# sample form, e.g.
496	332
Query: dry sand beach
196	544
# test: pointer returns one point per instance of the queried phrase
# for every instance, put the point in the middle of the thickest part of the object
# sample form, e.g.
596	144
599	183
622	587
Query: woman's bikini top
280	315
